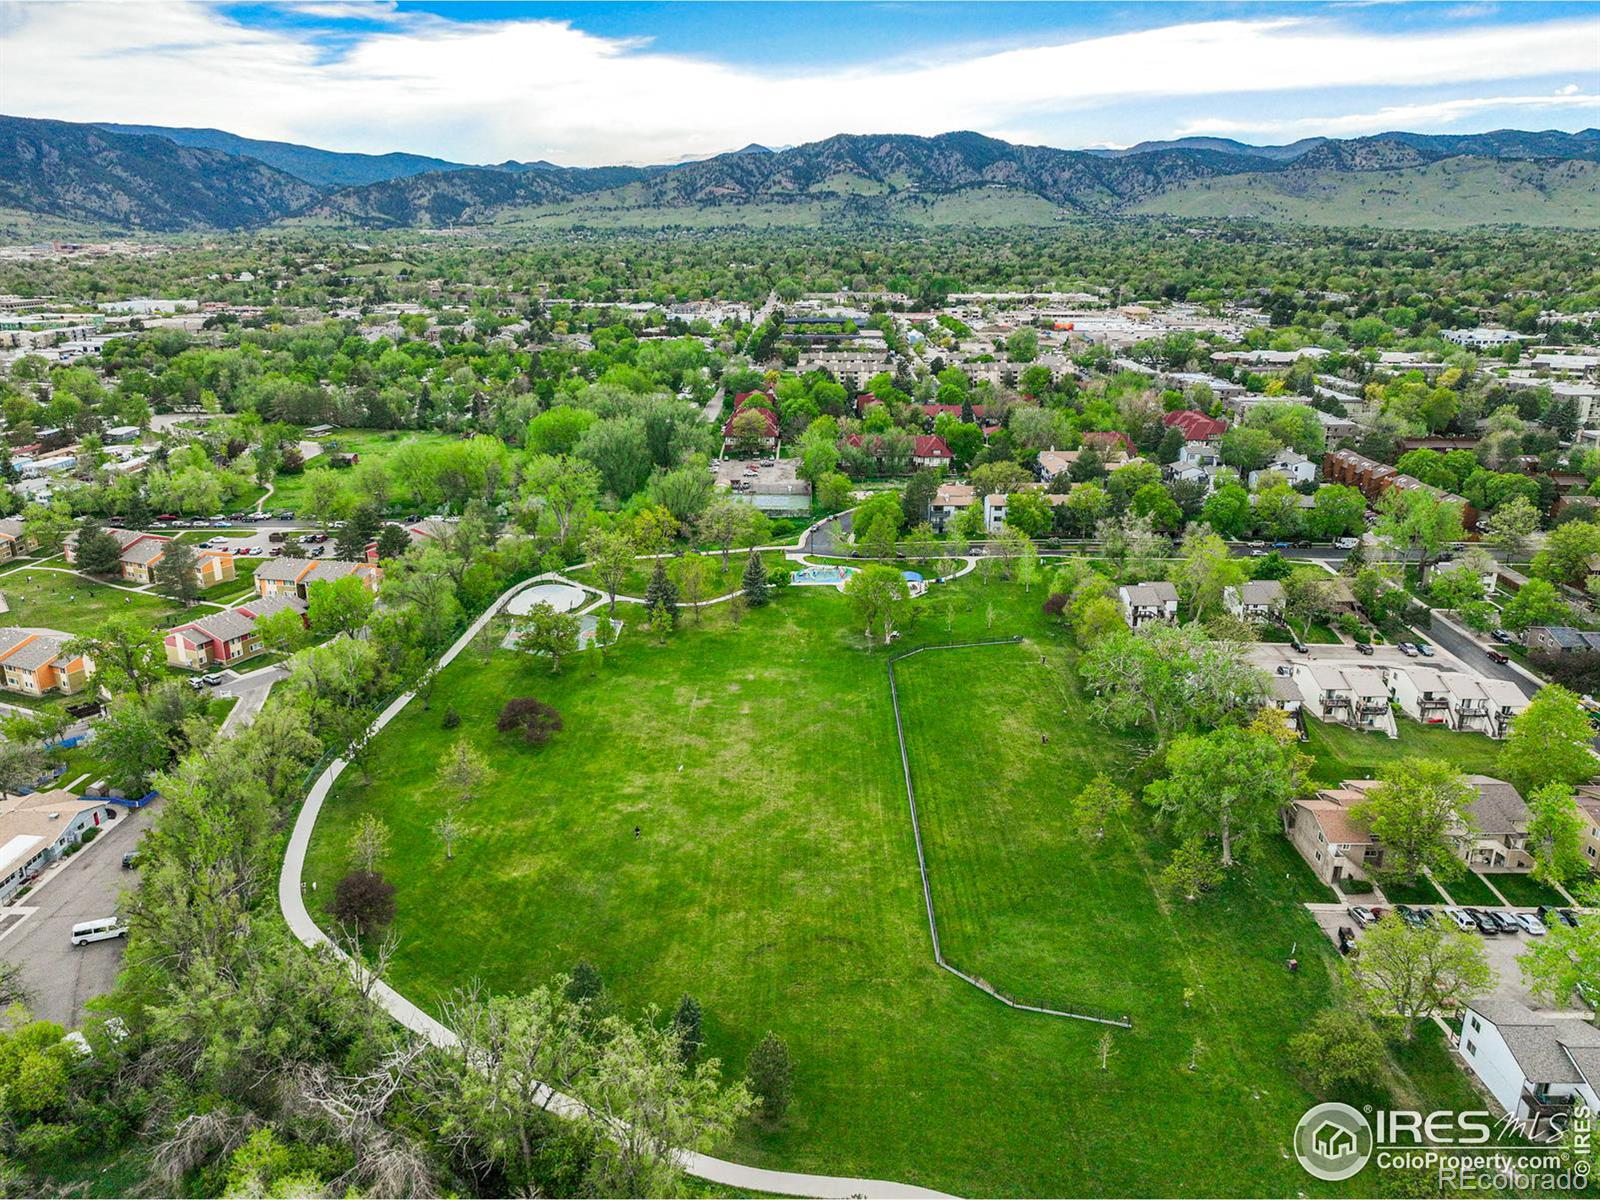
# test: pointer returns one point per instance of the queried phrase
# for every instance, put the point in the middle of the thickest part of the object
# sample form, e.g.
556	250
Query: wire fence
977	981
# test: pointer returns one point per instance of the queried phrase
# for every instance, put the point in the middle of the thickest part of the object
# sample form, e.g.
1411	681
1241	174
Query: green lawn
290	491
1421	891
74	604
242	584
1469	888
775	878
1526	890
1345	753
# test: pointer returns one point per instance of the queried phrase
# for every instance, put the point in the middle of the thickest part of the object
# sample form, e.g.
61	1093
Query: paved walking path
292	902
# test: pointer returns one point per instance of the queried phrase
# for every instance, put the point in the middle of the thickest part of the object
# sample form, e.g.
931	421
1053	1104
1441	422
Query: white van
98	930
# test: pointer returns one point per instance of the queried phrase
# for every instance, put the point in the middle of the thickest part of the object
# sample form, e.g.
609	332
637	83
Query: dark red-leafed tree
534	718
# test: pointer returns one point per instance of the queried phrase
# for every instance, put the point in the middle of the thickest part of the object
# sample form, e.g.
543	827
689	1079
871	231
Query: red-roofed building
759	399
768	439
933	410
1196	426
1104	440
931	451
865	401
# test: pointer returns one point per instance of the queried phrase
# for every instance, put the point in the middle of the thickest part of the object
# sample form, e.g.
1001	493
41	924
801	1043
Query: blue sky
588	83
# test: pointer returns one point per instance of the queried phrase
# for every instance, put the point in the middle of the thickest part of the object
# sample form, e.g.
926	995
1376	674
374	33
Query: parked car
1411	916
1362	915
1496	657
1530	924
1483	921
1299	646
1504	635
1568	917
1424	649
211	680
1407	649
1364	648
277	535
1463	922
130	860
98	930
1503	921
194	684
1346	543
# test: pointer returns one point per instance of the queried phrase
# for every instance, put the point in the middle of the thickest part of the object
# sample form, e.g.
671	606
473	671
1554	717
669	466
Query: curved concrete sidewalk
292	903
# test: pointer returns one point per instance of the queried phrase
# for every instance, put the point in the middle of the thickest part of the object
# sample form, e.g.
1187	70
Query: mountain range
174	179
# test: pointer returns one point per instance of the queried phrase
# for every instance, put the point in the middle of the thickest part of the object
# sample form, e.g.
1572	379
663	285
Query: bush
451	718
534	718
363	900
1355	887
49	1143
90	834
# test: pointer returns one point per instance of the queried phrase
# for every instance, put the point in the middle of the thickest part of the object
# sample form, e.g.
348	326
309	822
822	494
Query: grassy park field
73	603
774	876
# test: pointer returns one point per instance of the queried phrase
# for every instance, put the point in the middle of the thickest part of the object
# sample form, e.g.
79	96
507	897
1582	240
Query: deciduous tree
1411	972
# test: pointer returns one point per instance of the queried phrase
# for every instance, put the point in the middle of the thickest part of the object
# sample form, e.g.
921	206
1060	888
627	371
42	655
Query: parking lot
61	978
1502	950
732	471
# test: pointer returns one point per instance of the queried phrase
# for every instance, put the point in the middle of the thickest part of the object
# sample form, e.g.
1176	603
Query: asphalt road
1469	651
252	689
61	978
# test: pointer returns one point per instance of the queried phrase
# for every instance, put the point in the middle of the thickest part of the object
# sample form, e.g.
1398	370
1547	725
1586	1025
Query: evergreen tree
98	552
770	1076
137	514
175	572
662	595
756	588
686	1020
392	542
351	544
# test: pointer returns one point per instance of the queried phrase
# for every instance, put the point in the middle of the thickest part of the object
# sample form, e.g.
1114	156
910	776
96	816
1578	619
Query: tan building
1338	845
14	543
35	662
293	576
142	551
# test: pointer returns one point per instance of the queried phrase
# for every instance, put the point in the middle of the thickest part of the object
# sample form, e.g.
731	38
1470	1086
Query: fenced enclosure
1077	1012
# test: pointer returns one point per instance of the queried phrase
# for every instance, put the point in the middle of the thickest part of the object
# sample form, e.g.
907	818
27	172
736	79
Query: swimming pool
833	576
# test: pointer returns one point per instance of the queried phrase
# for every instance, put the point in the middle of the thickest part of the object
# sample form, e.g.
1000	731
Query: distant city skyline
593	84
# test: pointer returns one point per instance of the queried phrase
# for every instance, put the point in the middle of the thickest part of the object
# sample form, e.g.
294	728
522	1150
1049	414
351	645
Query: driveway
61	978
252	689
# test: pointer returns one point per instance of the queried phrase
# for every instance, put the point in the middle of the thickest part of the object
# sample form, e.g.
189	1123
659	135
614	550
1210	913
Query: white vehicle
1463	922
1530	924
98	930
1345	543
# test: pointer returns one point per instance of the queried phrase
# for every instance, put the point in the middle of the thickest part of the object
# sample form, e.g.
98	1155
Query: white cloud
486	91
1429	115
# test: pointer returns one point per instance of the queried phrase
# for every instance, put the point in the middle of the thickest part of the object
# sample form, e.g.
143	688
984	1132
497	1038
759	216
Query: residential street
1471	652
60	977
